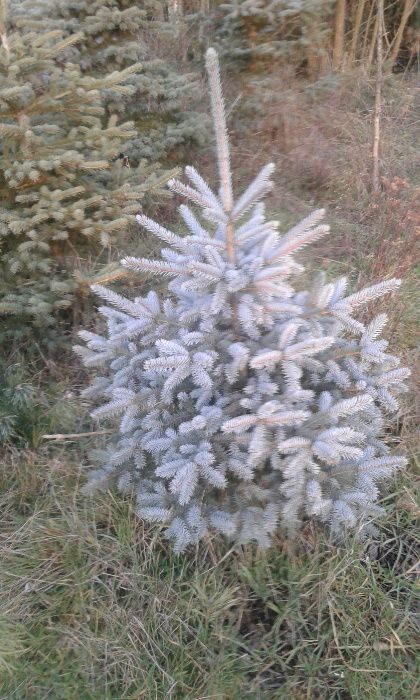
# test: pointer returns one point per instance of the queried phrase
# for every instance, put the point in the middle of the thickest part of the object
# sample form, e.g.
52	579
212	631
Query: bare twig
75	436
378	97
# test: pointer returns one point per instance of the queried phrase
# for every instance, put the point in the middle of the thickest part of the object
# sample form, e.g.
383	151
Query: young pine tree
63	196
116	34
244	404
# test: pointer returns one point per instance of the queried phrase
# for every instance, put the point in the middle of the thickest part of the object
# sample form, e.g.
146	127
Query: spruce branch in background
257	34
117	33
243	404
62	201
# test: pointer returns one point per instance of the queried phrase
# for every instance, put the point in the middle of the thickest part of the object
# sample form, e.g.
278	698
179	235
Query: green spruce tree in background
64	195
257	35
117	33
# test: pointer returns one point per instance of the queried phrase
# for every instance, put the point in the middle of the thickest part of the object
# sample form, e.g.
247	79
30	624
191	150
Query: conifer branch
218	111
223	155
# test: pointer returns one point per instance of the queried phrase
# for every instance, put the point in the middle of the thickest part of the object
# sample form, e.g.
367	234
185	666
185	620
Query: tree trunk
356	30
373	45
339	24
378	98
409	6
175	8
366	33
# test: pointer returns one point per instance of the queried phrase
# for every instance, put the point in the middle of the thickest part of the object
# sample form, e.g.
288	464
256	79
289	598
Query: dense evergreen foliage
245	403
65	196
116	34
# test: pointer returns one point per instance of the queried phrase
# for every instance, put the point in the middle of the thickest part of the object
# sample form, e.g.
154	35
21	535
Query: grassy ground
93	606
96	607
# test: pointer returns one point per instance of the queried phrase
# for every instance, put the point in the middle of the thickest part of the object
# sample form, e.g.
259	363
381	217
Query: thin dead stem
378	98
75	436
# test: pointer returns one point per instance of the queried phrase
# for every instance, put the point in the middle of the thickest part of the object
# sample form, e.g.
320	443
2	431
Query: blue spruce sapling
244	404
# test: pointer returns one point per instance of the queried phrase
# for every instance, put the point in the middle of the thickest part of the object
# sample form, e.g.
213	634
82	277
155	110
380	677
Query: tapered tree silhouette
245	404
